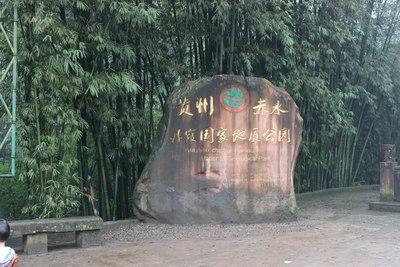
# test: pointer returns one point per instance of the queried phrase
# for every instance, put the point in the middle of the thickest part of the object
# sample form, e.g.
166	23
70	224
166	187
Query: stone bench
34	232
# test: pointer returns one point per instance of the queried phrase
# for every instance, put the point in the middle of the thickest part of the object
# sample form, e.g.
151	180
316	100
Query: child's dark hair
4	230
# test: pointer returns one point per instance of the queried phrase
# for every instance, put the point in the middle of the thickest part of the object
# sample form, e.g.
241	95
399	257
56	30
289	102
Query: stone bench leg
86	239
35	244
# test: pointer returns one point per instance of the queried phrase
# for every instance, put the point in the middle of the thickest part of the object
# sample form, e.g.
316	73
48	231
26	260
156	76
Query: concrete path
335	228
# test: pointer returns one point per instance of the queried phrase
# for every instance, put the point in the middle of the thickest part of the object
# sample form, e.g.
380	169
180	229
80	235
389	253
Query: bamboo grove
94	76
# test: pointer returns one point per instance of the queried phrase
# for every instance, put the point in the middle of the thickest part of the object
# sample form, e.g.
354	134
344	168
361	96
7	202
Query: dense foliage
94	75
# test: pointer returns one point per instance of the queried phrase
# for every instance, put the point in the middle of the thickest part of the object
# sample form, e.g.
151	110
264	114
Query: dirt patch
334	228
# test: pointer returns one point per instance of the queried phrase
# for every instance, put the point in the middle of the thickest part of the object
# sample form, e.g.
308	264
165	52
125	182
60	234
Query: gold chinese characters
210	135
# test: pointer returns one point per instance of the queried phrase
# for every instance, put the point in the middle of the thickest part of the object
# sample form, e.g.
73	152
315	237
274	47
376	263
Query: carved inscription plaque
227	154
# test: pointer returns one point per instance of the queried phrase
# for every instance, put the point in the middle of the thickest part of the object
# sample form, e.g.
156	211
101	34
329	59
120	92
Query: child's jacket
8	257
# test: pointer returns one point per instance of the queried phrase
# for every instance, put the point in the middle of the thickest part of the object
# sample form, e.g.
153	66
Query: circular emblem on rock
234	98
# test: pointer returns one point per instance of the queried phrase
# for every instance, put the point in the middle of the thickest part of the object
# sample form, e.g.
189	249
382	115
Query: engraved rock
228	150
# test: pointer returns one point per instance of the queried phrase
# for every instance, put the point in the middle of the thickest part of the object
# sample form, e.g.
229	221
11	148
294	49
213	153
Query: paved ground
335	228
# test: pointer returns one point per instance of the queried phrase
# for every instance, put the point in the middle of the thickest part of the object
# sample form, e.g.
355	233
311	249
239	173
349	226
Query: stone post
387	167
396	187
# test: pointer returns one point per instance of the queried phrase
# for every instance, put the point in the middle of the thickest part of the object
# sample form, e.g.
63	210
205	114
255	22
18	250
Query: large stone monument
227	154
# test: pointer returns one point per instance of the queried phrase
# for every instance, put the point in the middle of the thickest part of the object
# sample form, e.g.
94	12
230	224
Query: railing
8	101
